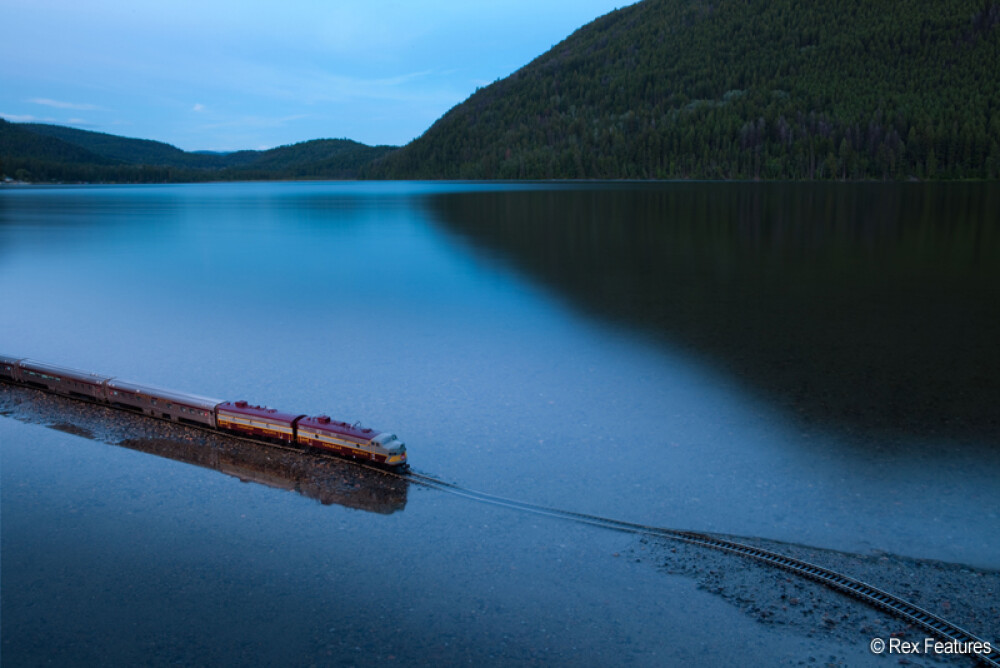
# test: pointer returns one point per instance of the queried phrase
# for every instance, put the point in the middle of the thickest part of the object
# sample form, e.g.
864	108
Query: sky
225	75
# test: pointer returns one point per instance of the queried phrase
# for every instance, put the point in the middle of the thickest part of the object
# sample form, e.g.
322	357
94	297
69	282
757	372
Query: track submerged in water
856	589
869	594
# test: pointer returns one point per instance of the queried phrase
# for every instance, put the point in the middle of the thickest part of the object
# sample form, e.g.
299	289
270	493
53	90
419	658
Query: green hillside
319	158
38	152
738	89
133	151
20	149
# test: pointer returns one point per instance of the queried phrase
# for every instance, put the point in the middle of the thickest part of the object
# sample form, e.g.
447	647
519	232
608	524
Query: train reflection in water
329	481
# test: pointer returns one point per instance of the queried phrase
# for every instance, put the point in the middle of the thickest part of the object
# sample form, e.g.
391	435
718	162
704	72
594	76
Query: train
318	432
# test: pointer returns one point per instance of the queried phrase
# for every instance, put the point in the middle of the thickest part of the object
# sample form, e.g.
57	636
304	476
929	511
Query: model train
237	417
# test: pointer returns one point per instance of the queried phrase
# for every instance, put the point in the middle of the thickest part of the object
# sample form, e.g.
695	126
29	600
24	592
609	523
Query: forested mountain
319	158
137	151
727	89
747	89
39	152
16	141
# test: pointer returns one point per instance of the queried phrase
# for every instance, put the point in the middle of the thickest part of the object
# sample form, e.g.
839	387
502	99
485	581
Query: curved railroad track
897	607
862	591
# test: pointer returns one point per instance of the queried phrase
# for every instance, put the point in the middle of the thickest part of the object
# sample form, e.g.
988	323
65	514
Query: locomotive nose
398	455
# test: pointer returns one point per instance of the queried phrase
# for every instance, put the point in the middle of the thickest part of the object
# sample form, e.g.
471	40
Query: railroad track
862	591
897	607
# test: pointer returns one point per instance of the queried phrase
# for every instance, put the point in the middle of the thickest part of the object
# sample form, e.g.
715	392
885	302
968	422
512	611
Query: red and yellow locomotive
238	417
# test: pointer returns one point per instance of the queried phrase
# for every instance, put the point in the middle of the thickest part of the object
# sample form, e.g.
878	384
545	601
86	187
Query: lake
809	363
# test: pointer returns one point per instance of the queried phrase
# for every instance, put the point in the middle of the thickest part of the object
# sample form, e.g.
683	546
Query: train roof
324	423
206	403
244	408
7	359
63	371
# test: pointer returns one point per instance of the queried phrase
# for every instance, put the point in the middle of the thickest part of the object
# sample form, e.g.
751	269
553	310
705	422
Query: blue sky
228	74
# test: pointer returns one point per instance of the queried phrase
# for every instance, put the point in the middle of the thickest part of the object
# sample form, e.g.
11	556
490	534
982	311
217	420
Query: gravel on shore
965	596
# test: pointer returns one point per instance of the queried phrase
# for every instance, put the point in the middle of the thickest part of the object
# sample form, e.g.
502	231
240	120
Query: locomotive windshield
390	442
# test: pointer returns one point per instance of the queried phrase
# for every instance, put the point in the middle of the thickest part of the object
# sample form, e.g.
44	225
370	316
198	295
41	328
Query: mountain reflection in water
866	307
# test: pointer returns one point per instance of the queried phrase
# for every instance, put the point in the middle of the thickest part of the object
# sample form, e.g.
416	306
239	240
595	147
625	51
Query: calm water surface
814	364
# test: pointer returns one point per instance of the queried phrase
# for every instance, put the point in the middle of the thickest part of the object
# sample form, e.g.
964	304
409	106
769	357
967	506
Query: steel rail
867	593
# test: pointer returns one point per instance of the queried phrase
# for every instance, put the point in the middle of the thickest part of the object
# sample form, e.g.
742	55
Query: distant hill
134	151
39	152
319	158
15	140
741	89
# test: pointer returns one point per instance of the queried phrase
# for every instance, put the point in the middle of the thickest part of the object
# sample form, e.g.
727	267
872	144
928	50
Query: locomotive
236	417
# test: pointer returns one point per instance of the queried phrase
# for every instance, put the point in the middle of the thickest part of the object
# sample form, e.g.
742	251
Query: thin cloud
19	118
316	86
58	104
199	107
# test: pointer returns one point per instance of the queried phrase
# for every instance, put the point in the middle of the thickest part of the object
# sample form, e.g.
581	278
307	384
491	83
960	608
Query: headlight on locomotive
395	449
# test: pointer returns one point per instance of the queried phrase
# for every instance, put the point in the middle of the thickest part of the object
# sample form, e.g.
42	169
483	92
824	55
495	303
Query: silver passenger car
62	380
161	403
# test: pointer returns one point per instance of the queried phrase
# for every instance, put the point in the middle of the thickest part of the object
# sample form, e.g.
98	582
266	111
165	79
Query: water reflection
329	482
866	306
326	480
